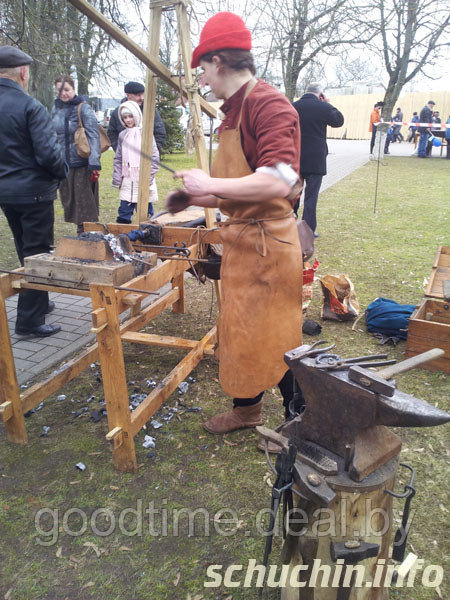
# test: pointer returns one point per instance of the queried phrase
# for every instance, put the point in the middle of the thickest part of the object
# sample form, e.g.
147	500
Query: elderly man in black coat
31	166
315	114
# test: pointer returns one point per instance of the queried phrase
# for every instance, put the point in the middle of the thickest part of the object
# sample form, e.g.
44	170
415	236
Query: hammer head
372	381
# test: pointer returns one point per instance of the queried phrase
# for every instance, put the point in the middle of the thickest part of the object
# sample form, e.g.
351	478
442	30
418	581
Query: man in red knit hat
255	182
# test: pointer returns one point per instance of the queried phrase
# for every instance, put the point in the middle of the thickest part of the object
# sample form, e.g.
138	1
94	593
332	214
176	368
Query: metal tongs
333	362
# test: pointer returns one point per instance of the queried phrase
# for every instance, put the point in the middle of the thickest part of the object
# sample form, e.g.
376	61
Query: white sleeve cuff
281	171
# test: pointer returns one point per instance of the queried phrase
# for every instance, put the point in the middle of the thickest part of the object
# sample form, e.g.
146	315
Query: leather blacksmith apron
261	274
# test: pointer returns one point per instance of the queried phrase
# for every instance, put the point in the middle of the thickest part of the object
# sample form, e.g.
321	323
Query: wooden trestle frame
107	304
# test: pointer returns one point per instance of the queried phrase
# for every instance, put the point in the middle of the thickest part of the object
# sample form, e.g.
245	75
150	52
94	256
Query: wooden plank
9	387
6	283
72	247
133	298
6	411
170	233
22	284
114	376
150	312
156	278
148	118
150	339
165	388
435	285
151	62
65	373
71	273
178	282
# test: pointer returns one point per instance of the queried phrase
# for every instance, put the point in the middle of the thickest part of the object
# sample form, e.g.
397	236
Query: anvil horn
403	410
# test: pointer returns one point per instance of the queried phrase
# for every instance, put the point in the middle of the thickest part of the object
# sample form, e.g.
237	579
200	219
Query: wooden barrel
361	512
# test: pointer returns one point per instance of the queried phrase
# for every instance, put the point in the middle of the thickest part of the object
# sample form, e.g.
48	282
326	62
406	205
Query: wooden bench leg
10	404
114	376
179	305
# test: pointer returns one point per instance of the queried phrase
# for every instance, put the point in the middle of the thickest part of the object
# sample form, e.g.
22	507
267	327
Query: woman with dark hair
255	182
79	192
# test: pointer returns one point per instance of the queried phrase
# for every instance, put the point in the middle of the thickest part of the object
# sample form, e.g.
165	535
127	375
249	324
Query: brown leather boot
238	418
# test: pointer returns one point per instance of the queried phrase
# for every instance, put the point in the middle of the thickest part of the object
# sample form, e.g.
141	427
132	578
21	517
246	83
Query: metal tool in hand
335	363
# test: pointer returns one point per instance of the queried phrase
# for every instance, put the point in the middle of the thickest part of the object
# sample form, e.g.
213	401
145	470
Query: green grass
389	254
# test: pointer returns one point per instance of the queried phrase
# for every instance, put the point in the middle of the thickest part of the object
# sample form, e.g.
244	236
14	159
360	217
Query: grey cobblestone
30	346
19	353
54	341
66	335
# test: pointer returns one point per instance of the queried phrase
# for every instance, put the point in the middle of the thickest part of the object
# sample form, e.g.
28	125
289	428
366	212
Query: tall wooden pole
148	117
193	98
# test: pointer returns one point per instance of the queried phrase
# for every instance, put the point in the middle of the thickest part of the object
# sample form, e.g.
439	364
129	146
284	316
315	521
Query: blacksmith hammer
351	552
377	381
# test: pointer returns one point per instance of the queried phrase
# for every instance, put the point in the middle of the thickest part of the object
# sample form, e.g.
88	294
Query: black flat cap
13	57
431	102
133	87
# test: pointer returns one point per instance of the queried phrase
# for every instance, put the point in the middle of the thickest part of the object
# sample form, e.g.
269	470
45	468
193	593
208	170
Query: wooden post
193	96
114	377
178	282
148	118
11	405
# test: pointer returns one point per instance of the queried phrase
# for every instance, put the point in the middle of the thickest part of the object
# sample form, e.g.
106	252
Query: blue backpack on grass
387	317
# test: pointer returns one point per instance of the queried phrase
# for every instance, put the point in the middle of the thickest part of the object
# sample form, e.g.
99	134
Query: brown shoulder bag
81	141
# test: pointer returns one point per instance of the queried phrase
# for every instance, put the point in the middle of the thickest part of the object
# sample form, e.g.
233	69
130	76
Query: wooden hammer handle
410	363
273	436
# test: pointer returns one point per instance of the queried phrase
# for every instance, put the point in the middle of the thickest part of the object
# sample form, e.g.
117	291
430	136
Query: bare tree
411	33
61	40
358	69
302	32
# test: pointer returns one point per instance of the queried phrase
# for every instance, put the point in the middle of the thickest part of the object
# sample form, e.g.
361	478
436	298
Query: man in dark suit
315	114
31	166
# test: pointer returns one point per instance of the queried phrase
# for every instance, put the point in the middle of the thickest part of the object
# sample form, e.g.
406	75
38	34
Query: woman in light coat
127	161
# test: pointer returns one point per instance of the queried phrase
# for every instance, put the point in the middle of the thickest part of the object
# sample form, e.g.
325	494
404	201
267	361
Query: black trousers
32	228
372	139
288	387
312	188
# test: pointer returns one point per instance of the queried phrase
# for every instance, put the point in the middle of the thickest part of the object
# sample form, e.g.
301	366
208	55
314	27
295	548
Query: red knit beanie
222	31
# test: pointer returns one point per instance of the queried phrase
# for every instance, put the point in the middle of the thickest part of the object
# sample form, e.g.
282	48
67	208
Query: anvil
350	420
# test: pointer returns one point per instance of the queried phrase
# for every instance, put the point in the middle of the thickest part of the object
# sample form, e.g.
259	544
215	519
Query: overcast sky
132	69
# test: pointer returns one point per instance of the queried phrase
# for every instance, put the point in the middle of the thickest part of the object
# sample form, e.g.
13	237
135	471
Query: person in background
397	118
374	119
127	161
31	166
435	131
447	136
315	113
135	92
425	118
412	128
79	192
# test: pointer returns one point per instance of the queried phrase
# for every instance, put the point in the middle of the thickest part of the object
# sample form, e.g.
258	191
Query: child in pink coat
127	161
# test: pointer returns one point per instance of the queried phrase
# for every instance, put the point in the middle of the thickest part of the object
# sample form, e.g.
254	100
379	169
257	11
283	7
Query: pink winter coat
128	188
